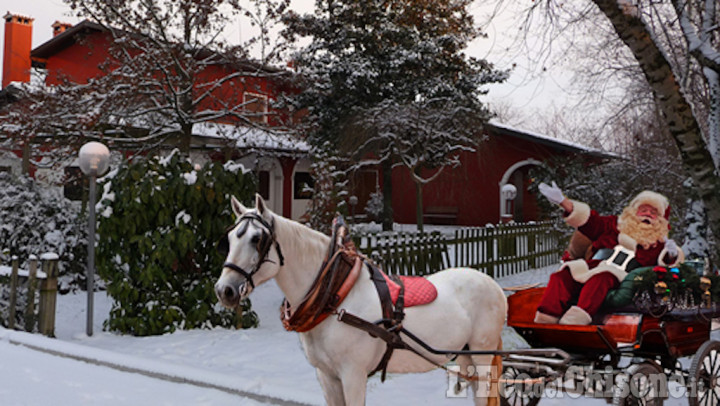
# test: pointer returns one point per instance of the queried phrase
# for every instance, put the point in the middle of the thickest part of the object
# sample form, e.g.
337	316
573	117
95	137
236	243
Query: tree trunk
387	213
186	107
419	206
676	110
26	158
713	79
185	139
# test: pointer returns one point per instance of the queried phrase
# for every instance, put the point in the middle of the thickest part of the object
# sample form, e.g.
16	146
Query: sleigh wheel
641	384
516	391
705	375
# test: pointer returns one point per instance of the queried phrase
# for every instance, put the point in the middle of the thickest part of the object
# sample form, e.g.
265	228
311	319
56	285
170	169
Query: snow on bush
35	220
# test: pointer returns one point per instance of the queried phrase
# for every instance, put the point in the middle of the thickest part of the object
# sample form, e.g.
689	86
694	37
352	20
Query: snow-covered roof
543	139
253	138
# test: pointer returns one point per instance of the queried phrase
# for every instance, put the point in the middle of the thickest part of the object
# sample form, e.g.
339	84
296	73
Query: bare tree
169	69
675	46
425	136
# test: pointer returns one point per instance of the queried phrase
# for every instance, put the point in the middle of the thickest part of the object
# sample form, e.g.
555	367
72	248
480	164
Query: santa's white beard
645	234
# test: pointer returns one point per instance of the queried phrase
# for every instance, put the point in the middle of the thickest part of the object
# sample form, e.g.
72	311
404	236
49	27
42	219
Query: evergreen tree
371	67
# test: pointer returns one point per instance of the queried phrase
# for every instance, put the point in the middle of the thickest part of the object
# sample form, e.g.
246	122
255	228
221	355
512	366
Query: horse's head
253	255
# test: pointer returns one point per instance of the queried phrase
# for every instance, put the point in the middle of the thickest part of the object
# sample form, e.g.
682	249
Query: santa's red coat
563	290
603	232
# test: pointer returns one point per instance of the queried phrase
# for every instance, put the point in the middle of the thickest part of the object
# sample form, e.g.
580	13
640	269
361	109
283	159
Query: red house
467	195
471	194
77	52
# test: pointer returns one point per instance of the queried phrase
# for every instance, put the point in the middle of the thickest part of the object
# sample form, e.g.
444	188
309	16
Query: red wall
473	187
82	60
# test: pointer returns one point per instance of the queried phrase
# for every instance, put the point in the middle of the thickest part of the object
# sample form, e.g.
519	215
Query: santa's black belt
619	260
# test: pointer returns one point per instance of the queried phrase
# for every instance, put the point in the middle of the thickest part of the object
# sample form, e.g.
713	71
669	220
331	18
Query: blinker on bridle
264	244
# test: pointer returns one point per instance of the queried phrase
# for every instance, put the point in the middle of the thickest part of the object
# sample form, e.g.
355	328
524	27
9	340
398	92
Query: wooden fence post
13	292
490	250
532	255
48	294
30	309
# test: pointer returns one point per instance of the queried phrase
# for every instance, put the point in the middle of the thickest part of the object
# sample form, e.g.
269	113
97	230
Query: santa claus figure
637	238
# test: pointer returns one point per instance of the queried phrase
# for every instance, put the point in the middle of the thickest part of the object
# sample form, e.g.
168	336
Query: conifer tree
373	67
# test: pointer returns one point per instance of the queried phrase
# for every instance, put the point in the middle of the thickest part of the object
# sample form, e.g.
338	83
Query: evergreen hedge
159	220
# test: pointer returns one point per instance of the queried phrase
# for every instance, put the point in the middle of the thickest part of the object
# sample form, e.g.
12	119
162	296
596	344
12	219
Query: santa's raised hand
552	193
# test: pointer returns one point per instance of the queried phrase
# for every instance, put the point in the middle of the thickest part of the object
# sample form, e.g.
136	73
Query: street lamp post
94	159
508	193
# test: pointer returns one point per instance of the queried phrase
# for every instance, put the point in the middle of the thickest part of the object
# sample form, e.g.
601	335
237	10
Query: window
256	107
264	184
74	183
303	184
5	169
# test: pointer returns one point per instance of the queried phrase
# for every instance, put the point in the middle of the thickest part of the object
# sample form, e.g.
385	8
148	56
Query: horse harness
337	275
264	243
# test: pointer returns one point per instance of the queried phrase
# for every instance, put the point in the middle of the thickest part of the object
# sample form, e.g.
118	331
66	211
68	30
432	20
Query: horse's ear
237	207
260	205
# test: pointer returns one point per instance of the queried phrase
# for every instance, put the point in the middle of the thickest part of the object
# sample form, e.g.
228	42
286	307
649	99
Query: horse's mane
300	237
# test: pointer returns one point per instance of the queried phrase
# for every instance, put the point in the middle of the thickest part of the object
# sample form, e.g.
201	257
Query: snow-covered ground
199	367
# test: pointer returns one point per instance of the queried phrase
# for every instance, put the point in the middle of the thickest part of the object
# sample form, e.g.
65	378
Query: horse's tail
495	374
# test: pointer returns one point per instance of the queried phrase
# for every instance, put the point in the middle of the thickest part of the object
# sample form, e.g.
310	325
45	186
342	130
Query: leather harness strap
334	281
391	318
327	293
265	243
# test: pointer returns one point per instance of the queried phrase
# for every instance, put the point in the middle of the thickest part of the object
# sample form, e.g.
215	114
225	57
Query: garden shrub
35	220
159	222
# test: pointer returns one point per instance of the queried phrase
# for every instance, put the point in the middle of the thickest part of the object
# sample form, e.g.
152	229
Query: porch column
288	165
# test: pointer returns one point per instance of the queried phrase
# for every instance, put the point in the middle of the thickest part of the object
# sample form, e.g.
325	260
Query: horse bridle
264	244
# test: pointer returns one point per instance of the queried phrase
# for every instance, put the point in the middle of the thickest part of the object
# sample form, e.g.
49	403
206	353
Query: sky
530	87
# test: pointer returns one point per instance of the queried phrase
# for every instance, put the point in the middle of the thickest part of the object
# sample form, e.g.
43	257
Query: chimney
18	43
59	28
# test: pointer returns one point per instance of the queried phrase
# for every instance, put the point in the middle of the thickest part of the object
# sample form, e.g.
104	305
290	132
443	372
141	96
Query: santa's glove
552	193
671	247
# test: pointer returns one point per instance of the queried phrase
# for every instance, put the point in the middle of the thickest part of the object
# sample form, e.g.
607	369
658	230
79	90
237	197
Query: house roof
70	35
252	139
555	143
64	39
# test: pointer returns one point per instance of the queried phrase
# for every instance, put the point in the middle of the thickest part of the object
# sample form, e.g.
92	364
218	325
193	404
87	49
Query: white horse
469	309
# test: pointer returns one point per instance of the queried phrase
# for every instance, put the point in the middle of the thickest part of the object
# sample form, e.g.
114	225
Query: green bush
158	223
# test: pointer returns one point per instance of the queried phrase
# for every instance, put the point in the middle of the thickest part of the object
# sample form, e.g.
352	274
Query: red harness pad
418	290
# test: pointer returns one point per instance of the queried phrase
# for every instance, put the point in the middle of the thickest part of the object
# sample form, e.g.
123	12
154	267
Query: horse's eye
255	239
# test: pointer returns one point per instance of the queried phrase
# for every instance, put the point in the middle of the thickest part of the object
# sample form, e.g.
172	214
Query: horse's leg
354	383
332	388
488	369
481	369
467	369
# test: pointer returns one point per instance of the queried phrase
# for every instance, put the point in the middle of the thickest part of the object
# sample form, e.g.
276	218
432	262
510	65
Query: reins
337	275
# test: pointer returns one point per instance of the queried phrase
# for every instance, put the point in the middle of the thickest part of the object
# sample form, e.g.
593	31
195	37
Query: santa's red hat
654	199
